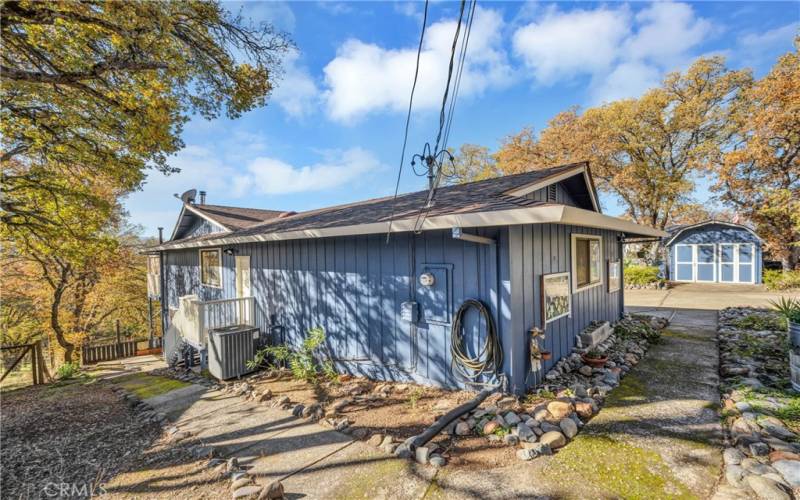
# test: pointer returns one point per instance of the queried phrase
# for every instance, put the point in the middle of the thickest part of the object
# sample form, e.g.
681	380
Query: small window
153	266
211	267
587	261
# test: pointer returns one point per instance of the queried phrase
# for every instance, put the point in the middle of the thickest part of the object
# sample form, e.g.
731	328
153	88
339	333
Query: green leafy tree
102	88
472	163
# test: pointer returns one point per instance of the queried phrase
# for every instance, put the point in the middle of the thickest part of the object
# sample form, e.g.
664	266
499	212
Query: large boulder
553	439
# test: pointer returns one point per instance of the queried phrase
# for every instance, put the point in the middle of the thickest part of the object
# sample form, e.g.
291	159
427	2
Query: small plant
546	394
501	432
761	322
329	372
302	362
413	397
788	308
67	371
569	393
594	354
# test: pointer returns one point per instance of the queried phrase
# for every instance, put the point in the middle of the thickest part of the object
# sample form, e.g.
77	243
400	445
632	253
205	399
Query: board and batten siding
544	249
353	287
201	227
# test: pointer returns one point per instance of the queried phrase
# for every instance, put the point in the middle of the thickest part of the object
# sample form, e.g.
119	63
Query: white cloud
273	176
296	92
621	53
365	78
564	44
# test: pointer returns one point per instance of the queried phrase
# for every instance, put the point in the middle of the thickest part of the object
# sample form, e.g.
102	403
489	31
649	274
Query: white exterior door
243	276
728	270
705	263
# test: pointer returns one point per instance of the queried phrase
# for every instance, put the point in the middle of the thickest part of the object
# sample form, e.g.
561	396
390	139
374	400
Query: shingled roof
236	217
474	201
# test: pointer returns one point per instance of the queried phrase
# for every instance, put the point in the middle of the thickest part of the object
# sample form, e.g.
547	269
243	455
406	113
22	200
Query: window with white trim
211	267
587	261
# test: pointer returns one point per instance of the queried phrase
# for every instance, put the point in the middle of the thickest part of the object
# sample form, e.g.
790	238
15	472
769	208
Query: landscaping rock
732	456
584	410
775	427
734	474
759	449
766	489
422	453
437	460
490	427
568	427
783	455
585	370
511	418
789	470
402	451
297	411
232	464
511	439
553	439
359	433
272	491
375	440
539	448
462	429
241	482
526	454
525	433
265	396
559	409
247	492
548	427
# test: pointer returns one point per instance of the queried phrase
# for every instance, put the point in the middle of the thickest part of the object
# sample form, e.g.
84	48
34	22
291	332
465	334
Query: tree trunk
55	322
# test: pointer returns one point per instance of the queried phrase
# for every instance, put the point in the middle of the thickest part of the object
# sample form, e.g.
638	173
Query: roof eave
543	214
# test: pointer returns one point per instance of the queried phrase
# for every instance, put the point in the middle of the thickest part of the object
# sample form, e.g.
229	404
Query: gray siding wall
544	249
562	196
715	234
199	228
354	287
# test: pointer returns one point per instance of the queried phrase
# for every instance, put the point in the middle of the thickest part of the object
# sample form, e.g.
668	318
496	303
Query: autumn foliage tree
758	173
645	151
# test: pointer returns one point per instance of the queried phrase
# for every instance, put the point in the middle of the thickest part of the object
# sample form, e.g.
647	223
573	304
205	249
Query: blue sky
332	131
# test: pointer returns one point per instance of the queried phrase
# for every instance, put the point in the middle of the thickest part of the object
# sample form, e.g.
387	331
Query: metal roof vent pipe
160	235
202	197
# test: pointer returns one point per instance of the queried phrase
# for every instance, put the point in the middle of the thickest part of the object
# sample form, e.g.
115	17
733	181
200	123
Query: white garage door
708	263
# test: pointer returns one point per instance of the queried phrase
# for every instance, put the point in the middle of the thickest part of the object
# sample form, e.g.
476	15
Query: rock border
761	455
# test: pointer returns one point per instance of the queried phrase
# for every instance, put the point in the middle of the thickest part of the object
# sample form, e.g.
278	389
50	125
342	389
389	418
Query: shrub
788	308
641	275
781	280
637	327
67	371
303	361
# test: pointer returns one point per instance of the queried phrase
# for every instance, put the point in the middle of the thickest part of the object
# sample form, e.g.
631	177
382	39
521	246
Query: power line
422	215
408	120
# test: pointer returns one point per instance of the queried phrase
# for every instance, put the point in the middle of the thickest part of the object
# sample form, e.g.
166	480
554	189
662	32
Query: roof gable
677	232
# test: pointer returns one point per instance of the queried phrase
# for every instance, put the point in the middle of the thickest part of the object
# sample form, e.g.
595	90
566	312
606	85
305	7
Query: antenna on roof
189	196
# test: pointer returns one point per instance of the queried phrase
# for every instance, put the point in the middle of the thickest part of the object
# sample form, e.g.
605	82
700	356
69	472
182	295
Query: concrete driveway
704	296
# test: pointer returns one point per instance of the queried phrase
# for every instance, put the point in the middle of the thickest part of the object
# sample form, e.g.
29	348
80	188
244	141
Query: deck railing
215	314
196	318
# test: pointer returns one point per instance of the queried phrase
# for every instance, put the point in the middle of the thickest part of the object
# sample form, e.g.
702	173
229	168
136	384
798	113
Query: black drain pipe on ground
490	358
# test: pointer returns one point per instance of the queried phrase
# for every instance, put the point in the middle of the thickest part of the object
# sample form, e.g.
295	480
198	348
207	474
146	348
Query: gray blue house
534	249
713	252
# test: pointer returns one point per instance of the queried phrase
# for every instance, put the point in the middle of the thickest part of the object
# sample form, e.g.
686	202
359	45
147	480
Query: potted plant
546	355
790	309
594	358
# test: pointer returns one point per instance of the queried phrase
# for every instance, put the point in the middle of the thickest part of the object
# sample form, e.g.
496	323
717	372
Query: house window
211	267
587	261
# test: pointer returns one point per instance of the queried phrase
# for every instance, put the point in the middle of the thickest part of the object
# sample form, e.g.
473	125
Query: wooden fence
91	354
39	371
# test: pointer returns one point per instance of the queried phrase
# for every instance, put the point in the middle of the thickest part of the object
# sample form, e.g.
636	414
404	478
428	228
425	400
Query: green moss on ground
370	479
684	336
146	386
631	390
615	467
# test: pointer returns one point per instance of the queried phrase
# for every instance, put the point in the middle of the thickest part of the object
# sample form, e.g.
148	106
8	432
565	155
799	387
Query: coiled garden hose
489	359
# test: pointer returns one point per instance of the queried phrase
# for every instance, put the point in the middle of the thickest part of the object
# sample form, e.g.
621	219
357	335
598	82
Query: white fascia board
580	217
529	188
177	223
556	214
